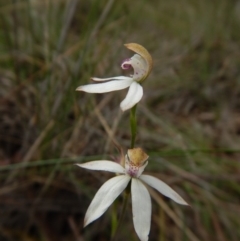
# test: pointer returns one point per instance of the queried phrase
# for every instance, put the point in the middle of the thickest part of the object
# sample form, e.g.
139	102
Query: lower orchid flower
135	163
141	62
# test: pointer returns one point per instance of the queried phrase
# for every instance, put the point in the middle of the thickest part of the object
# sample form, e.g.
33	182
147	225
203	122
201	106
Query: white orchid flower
135	163
141	62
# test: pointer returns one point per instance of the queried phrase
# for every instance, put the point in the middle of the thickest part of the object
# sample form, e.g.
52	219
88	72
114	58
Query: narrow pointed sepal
141	208
111	78
102	165
163	188
107	86
105	196
134	95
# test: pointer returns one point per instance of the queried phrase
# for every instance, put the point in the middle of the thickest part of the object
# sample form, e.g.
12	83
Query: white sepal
163	188
108	166
110	78
141	208
134	95
106	87
105	196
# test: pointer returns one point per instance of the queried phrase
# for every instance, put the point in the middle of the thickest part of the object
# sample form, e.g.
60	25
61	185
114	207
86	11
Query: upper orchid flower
135	163
141	62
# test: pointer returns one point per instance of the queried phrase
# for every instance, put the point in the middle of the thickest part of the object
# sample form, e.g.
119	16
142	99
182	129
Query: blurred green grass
189	121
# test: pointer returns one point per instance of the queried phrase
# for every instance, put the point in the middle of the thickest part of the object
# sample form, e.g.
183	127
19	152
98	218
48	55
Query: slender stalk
124	208
133	125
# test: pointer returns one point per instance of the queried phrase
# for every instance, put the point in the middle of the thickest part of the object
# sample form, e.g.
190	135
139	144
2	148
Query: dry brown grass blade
75	229
116	121
219	233
33	148
106	127
195	179
73	139
102	18
173	216
11	188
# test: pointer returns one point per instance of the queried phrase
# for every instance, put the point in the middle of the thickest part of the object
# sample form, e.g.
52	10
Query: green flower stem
133	125
124	208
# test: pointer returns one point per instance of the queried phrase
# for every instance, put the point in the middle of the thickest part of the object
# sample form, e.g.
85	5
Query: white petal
134	95
111	78
103	166
106	87
142	208
105	196
162	188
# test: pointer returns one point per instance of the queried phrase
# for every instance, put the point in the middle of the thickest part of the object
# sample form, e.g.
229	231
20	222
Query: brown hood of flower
137	156
139	49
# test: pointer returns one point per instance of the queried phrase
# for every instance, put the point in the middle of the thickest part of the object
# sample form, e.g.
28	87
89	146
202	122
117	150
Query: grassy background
189	120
